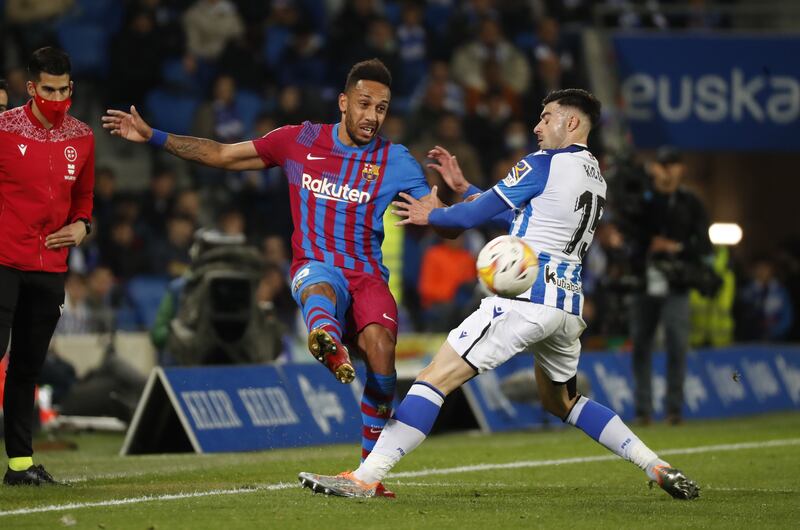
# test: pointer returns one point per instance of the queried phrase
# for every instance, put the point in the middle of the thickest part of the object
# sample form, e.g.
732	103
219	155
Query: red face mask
53	111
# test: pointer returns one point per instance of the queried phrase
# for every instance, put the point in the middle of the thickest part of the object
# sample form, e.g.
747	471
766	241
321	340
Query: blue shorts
361	298
318	272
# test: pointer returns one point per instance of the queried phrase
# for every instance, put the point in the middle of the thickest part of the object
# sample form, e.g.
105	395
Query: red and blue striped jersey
339	194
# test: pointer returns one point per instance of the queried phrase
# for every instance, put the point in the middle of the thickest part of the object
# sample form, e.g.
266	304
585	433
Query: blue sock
410	425
320	311
376	408
605	426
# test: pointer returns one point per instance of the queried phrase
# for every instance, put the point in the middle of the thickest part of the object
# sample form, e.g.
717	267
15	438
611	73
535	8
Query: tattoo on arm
200	150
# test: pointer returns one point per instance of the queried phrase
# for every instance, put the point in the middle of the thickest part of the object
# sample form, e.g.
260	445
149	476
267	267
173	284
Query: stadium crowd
468	75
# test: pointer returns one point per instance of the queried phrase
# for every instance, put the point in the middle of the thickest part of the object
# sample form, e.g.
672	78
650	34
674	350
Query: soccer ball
507	266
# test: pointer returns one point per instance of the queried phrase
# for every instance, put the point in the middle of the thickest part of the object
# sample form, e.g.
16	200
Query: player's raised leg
605	427
319	294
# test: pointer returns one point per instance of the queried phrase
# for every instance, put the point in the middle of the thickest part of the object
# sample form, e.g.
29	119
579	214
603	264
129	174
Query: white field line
407	474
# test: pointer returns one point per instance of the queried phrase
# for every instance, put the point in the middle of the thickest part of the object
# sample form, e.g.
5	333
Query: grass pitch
749	481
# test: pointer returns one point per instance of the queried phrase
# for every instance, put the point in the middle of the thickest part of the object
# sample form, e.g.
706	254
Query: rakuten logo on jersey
331	191
713	98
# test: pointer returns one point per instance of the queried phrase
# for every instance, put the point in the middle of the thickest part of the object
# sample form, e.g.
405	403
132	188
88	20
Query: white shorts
500	328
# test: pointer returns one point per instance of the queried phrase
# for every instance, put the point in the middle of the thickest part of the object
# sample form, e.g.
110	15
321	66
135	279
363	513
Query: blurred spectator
170	255
381	44
187	204
242	61
469	60
447	278
434	104
219	118
99	299
136	56
231	222
157	202
303	63
447	94
412	43
290	107
466	22
555	63
283	18
104	190
766	312
497	93
209	25
167	18
492	130
124	253
75	315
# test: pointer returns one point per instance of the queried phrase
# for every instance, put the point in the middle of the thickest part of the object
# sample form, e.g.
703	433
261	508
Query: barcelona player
342	179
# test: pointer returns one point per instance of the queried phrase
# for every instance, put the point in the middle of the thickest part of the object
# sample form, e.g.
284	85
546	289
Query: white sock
410	425
604	426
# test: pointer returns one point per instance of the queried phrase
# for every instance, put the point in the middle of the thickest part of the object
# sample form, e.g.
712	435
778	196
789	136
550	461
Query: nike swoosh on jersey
309	157
387	317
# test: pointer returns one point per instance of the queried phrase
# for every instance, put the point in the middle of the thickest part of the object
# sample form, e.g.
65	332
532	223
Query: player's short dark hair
3	84
578	98
369	70
49	60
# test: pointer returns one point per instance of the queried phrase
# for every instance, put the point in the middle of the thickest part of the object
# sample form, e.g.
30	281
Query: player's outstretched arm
132	127
460	216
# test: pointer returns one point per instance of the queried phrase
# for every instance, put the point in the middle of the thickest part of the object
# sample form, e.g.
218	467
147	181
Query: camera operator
668	238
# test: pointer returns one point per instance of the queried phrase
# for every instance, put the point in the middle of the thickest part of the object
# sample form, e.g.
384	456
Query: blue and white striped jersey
558	197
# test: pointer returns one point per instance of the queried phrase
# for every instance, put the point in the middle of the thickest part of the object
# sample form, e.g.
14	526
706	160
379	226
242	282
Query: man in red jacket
46	182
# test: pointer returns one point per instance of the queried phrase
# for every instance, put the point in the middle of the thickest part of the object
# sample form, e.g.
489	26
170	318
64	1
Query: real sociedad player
553	199
342	179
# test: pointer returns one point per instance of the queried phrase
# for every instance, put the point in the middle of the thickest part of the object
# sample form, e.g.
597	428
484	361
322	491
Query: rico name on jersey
338	193
558	196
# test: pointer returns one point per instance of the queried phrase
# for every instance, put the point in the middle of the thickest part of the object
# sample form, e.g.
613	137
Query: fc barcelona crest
371	172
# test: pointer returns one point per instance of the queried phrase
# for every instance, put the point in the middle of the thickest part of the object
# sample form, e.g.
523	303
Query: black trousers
30	306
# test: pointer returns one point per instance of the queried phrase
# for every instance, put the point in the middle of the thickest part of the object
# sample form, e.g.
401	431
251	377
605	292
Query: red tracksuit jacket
46	182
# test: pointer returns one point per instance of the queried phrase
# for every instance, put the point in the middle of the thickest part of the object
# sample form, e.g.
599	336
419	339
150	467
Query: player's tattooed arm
190	148
235	157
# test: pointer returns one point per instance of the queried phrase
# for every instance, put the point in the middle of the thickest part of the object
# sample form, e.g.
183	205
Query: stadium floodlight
725	233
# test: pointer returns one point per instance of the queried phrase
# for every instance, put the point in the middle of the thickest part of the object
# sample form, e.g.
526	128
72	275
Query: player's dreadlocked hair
579	99
370	70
